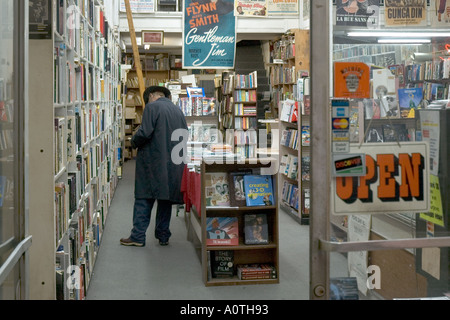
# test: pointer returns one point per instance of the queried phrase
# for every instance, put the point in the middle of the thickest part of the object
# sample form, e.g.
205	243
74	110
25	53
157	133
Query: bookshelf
156	71
289	70
266	253
238	105
245	118
75	131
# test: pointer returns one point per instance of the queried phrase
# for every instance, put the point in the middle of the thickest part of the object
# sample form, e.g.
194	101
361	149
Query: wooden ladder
137	60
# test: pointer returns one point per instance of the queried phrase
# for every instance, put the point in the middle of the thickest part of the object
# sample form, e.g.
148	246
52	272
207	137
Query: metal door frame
21	241
320	246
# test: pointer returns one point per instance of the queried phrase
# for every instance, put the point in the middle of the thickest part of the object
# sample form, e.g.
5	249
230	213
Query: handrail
7	245
13	258
383	244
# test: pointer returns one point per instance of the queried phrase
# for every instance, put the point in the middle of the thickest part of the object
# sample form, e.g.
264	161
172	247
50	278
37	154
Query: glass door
13	241
383	162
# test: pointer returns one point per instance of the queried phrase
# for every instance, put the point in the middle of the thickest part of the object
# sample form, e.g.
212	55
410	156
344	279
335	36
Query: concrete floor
174	272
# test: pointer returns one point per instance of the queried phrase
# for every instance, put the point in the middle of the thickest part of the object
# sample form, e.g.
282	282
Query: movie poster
398	13
360	13
253	8
283	7
440	13
209	34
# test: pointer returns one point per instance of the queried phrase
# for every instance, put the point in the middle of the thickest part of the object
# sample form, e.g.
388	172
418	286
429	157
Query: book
258	190
372	108
256	229
306	136
395	132
256	271
408	99
217	189
375	134
222	263
390	107
236	184
306	202
222	231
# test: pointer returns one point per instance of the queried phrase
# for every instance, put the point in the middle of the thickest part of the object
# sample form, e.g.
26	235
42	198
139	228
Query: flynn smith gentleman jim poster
209	34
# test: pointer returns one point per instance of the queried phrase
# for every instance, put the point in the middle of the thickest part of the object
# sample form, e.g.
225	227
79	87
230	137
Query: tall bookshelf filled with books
238	105
156	71
238	220
245	118
75	133
289	71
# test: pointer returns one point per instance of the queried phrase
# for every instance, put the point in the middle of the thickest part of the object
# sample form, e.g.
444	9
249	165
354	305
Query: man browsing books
157	178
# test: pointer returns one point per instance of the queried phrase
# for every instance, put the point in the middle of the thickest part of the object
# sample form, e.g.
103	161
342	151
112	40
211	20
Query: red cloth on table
191	189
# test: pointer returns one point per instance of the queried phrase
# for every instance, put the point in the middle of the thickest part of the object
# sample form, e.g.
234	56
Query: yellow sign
435	214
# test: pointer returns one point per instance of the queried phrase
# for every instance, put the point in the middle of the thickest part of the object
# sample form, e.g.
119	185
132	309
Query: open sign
396	180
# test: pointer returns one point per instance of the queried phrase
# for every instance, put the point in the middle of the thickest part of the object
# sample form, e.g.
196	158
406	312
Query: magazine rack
263	254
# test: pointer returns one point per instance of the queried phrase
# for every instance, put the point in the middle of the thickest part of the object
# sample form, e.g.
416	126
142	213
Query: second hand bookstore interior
251	150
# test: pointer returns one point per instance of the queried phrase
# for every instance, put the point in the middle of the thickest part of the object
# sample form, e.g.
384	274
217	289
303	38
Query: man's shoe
163	242
129	242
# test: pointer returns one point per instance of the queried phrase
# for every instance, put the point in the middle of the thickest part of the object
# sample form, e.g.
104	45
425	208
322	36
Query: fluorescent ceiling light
408	40
405	34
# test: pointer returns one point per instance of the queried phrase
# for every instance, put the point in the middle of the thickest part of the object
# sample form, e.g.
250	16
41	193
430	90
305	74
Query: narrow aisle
174	272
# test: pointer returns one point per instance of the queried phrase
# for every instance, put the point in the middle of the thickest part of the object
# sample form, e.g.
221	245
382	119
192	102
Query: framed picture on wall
152	37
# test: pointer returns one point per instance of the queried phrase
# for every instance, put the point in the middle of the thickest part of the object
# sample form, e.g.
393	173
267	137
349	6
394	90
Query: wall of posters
139	6
209	34
254	8
283	7
365	13
398	13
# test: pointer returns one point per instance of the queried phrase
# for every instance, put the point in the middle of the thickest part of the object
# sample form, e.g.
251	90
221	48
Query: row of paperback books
198	106
245	123
289	166
290	195
221	265
289	138
245	95
246	81
224	231
241	188
428	70
241	109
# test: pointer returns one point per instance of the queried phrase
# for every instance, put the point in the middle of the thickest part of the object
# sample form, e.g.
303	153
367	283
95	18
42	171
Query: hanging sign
209	34
397	179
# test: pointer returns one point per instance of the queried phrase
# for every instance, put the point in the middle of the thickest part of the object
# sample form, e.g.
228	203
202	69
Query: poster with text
283	7
399	13
139	6
440	13
209	34
253	8
360	13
